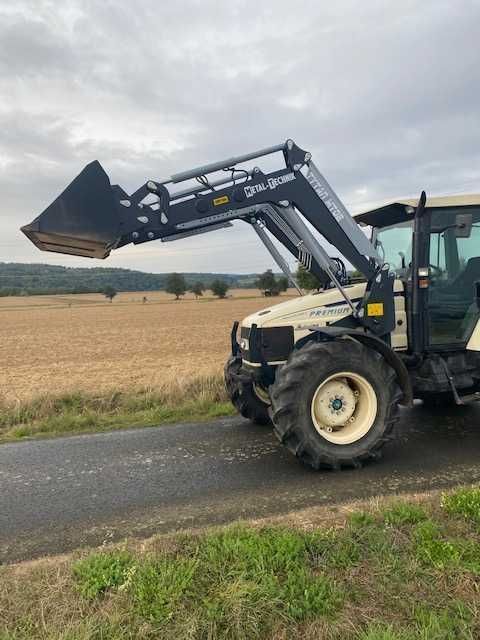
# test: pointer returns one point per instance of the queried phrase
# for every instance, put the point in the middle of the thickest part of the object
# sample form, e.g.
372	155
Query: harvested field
53	345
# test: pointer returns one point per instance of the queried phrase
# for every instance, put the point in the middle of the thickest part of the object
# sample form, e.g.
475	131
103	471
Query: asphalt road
57	495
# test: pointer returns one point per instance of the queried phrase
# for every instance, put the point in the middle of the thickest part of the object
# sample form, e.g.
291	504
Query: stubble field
52	346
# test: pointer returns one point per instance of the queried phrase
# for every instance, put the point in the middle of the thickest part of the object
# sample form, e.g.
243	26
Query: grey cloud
29	47
384	94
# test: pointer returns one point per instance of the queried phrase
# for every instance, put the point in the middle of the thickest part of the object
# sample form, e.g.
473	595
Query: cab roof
402	210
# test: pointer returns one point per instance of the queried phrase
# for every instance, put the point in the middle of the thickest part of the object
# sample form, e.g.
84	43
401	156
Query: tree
110	293
307	280
282	283
266	282
176	284
270	285
219	288
197	289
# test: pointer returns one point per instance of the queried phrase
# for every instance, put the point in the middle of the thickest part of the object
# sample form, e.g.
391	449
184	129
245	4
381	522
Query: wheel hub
262	394
334	403
344	407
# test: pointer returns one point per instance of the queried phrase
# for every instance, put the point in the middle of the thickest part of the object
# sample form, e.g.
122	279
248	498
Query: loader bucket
82	221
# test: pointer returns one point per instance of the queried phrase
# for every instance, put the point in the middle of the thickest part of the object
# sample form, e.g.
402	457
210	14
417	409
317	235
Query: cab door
454	265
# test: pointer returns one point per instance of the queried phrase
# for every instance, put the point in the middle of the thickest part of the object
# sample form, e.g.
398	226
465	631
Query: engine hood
319	308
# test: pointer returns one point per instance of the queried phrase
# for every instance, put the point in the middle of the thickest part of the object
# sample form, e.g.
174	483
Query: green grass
101	572
403	513
407	571
465	503
455	622
235	584
48	416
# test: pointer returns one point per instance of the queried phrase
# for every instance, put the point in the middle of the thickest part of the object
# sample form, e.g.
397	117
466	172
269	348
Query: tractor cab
449	250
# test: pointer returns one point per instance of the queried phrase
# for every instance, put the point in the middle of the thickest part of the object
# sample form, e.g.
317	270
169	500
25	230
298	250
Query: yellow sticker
375	309
220	200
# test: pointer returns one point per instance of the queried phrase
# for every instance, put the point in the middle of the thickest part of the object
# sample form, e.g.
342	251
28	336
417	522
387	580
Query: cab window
454	272
394	244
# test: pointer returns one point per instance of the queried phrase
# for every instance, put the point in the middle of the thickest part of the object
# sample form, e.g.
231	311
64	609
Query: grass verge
401	572
199	399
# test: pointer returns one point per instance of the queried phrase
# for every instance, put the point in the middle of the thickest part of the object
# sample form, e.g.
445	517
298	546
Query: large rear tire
250	401
335	404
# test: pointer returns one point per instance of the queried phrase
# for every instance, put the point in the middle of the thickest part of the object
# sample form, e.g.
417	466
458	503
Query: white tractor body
321	309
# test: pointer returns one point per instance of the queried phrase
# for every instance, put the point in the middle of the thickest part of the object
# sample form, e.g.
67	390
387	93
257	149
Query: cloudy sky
385	94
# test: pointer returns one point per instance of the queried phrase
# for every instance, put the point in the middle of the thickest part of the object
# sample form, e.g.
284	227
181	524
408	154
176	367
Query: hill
36	279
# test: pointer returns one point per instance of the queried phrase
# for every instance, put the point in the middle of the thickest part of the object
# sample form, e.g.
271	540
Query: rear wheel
249	399
334	404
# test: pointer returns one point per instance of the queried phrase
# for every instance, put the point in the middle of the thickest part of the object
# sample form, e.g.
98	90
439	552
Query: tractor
327	370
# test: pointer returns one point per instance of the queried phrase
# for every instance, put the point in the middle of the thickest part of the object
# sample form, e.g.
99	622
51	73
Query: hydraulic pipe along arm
92	217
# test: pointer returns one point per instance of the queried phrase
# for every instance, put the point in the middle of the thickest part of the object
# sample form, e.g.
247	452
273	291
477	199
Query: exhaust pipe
85	220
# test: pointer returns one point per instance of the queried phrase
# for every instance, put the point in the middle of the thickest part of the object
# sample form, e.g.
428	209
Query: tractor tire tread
242	394
284	394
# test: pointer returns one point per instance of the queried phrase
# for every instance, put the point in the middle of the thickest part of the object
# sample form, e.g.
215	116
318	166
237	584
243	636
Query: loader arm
92	217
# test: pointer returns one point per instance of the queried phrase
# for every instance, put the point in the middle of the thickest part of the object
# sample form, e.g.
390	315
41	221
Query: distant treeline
42	279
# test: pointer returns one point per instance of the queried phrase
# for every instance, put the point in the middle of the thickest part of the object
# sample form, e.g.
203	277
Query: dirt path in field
57	495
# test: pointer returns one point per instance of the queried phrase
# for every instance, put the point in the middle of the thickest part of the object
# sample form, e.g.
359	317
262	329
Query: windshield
394	245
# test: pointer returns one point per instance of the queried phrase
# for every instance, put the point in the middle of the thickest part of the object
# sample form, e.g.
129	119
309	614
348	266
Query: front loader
328	369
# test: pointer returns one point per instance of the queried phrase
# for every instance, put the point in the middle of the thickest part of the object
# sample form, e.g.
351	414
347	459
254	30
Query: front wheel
334	404
250	400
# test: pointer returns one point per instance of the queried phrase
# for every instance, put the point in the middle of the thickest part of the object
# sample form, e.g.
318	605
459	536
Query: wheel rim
261	394
344	408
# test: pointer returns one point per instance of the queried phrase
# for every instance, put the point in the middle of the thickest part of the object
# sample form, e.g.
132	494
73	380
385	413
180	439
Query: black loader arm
92	217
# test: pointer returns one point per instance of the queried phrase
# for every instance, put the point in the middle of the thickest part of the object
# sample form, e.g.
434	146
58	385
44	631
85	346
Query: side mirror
463	225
